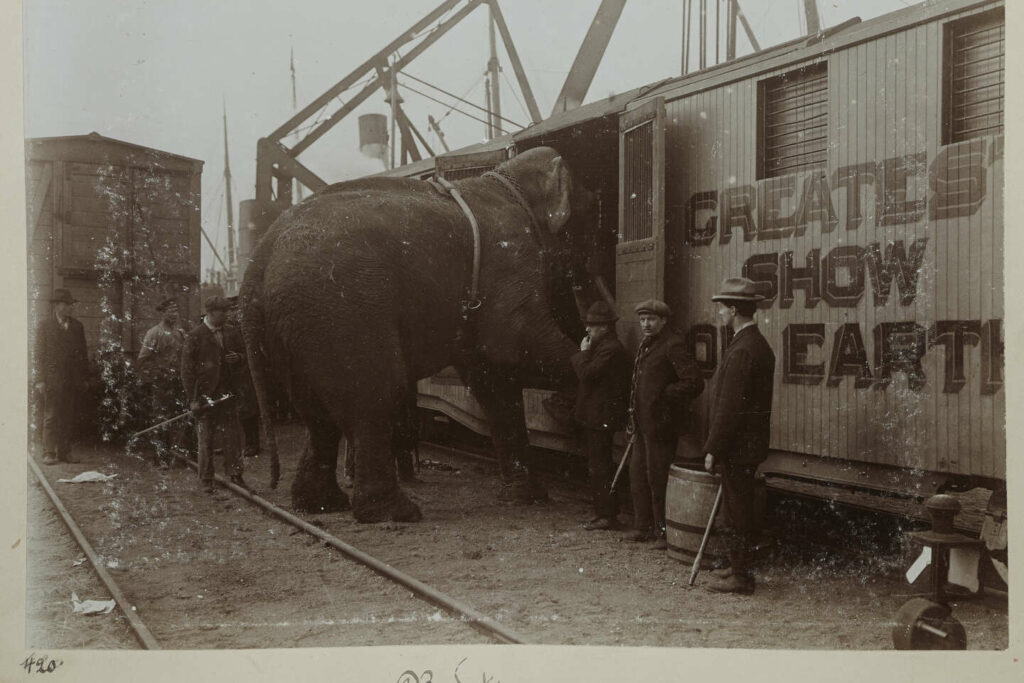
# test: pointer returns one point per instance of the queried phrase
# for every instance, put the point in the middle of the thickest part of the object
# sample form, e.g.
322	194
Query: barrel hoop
684	527
690	554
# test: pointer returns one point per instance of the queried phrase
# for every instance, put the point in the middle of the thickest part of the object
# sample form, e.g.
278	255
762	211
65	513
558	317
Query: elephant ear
557	192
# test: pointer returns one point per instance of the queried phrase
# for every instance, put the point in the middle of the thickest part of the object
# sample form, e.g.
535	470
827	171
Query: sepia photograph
661	326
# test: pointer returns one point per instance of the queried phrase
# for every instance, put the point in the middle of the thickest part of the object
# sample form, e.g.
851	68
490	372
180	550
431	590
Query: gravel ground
215	572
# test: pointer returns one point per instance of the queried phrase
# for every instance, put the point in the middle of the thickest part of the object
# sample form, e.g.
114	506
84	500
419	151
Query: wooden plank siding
886	129
119	227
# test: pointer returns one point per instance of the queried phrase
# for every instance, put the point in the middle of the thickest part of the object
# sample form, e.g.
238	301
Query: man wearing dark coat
248	407
665	380
211	360
602	368
739	424
61	370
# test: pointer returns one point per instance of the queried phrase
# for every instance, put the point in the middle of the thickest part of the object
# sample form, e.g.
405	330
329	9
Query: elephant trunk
254	332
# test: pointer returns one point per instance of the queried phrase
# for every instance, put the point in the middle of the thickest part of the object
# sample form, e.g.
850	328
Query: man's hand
232	357
585	344
709	463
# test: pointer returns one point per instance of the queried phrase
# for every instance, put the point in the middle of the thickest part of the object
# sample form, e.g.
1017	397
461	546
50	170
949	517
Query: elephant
361	290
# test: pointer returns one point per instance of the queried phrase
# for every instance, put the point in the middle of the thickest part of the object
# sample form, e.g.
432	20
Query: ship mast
230	275
295	105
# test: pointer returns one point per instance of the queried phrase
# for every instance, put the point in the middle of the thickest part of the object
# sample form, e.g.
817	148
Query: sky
158	72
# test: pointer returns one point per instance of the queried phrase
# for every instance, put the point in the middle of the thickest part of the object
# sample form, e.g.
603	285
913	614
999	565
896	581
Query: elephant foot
393	506
321	497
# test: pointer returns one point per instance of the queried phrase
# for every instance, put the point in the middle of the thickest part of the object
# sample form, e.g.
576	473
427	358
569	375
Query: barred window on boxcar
794	121
638	182
975	55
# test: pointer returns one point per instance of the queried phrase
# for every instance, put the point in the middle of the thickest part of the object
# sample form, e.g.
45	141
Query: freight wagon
118	225
857	177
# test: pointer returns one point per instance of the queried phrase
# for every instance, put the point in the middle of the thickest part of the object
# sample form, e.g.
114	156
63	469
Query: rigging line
433	99
513	91
472	104
468	90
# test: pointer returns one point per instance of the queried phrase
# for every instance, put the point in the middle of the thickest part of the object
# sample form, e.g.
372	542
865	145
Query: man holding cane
665	380
739	422
211	361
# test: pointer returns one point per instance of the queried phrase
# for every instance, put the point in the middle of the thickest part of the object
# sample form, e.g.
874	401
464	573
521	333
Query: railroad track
463	612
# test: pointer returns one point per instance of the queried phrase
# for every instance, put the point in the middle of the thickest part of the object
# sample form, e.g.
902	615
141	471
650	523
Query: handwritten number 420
42	665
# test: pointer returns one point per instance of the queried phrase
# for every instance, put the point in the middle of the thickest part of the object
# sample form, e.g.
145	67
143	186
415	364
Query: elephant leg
377	496
501	397
315	488
404	439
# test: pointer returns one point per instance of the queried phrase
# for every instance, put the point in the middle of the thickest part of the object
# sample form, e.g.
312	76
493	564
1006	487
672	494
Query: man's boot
742	584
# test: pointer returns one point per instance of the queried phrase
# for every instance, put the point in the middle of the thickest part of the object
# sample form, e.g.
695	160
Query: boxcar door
640	253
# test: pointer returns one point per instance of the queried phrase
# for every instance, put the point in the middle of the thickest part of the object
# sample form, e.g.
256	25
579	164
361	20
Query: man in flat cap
212	358
159	367
739	421
603	371
665	380
61	367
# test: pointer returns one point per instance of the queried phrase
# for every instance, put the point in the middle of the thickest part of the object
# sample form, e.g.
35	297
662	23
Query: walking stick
177	417
622	463
707	534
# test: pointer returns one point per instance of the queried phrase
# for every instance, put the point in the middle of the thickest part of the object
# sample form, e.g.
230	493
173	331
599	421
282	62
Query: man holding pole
739	422
213	355
665	380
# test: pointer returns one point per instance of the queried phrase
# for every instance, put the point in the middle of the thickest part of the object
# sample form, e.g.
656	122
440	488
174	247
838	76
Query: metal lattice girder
581	75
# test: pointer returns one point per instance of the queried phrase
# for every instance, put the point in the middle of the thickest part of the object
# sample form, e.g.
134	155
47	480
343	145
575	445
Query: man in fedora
159	366
603	371
739	421
665	380
60	376
211	360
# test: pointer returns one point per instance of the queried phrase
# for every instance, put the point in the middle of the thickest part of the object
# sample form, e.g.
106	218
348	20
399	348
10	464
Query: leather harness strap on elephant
466	335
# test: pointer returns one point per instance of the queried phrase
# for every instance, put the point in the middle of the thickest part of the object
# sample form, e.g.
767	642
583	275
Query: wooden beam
517	66
344	84
320	130
38	198
588	58
746	27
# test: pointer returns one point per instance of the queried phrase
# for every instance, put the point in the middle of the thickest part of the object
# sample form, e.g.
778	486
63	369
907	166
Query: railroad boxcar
118	225
857	177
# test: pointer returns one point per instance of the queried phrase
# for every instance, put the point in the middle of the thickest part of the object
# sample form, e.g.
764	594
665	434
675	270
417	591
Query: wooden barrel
688	501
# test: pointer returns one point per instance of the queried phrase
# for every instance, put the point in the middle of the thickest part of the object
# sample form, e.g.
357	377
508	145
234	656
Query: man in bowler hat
665	380
61	366
739	422
211	361
603	371
159	366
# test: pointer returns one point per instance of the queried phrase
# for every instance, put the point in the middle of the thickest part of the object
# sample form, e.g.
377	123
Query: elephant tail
251	296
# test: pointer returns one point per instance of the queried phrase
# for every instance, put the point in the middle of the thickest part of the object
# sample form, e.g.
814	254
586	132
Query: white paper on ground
963	567
922	561
92	606
86	477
